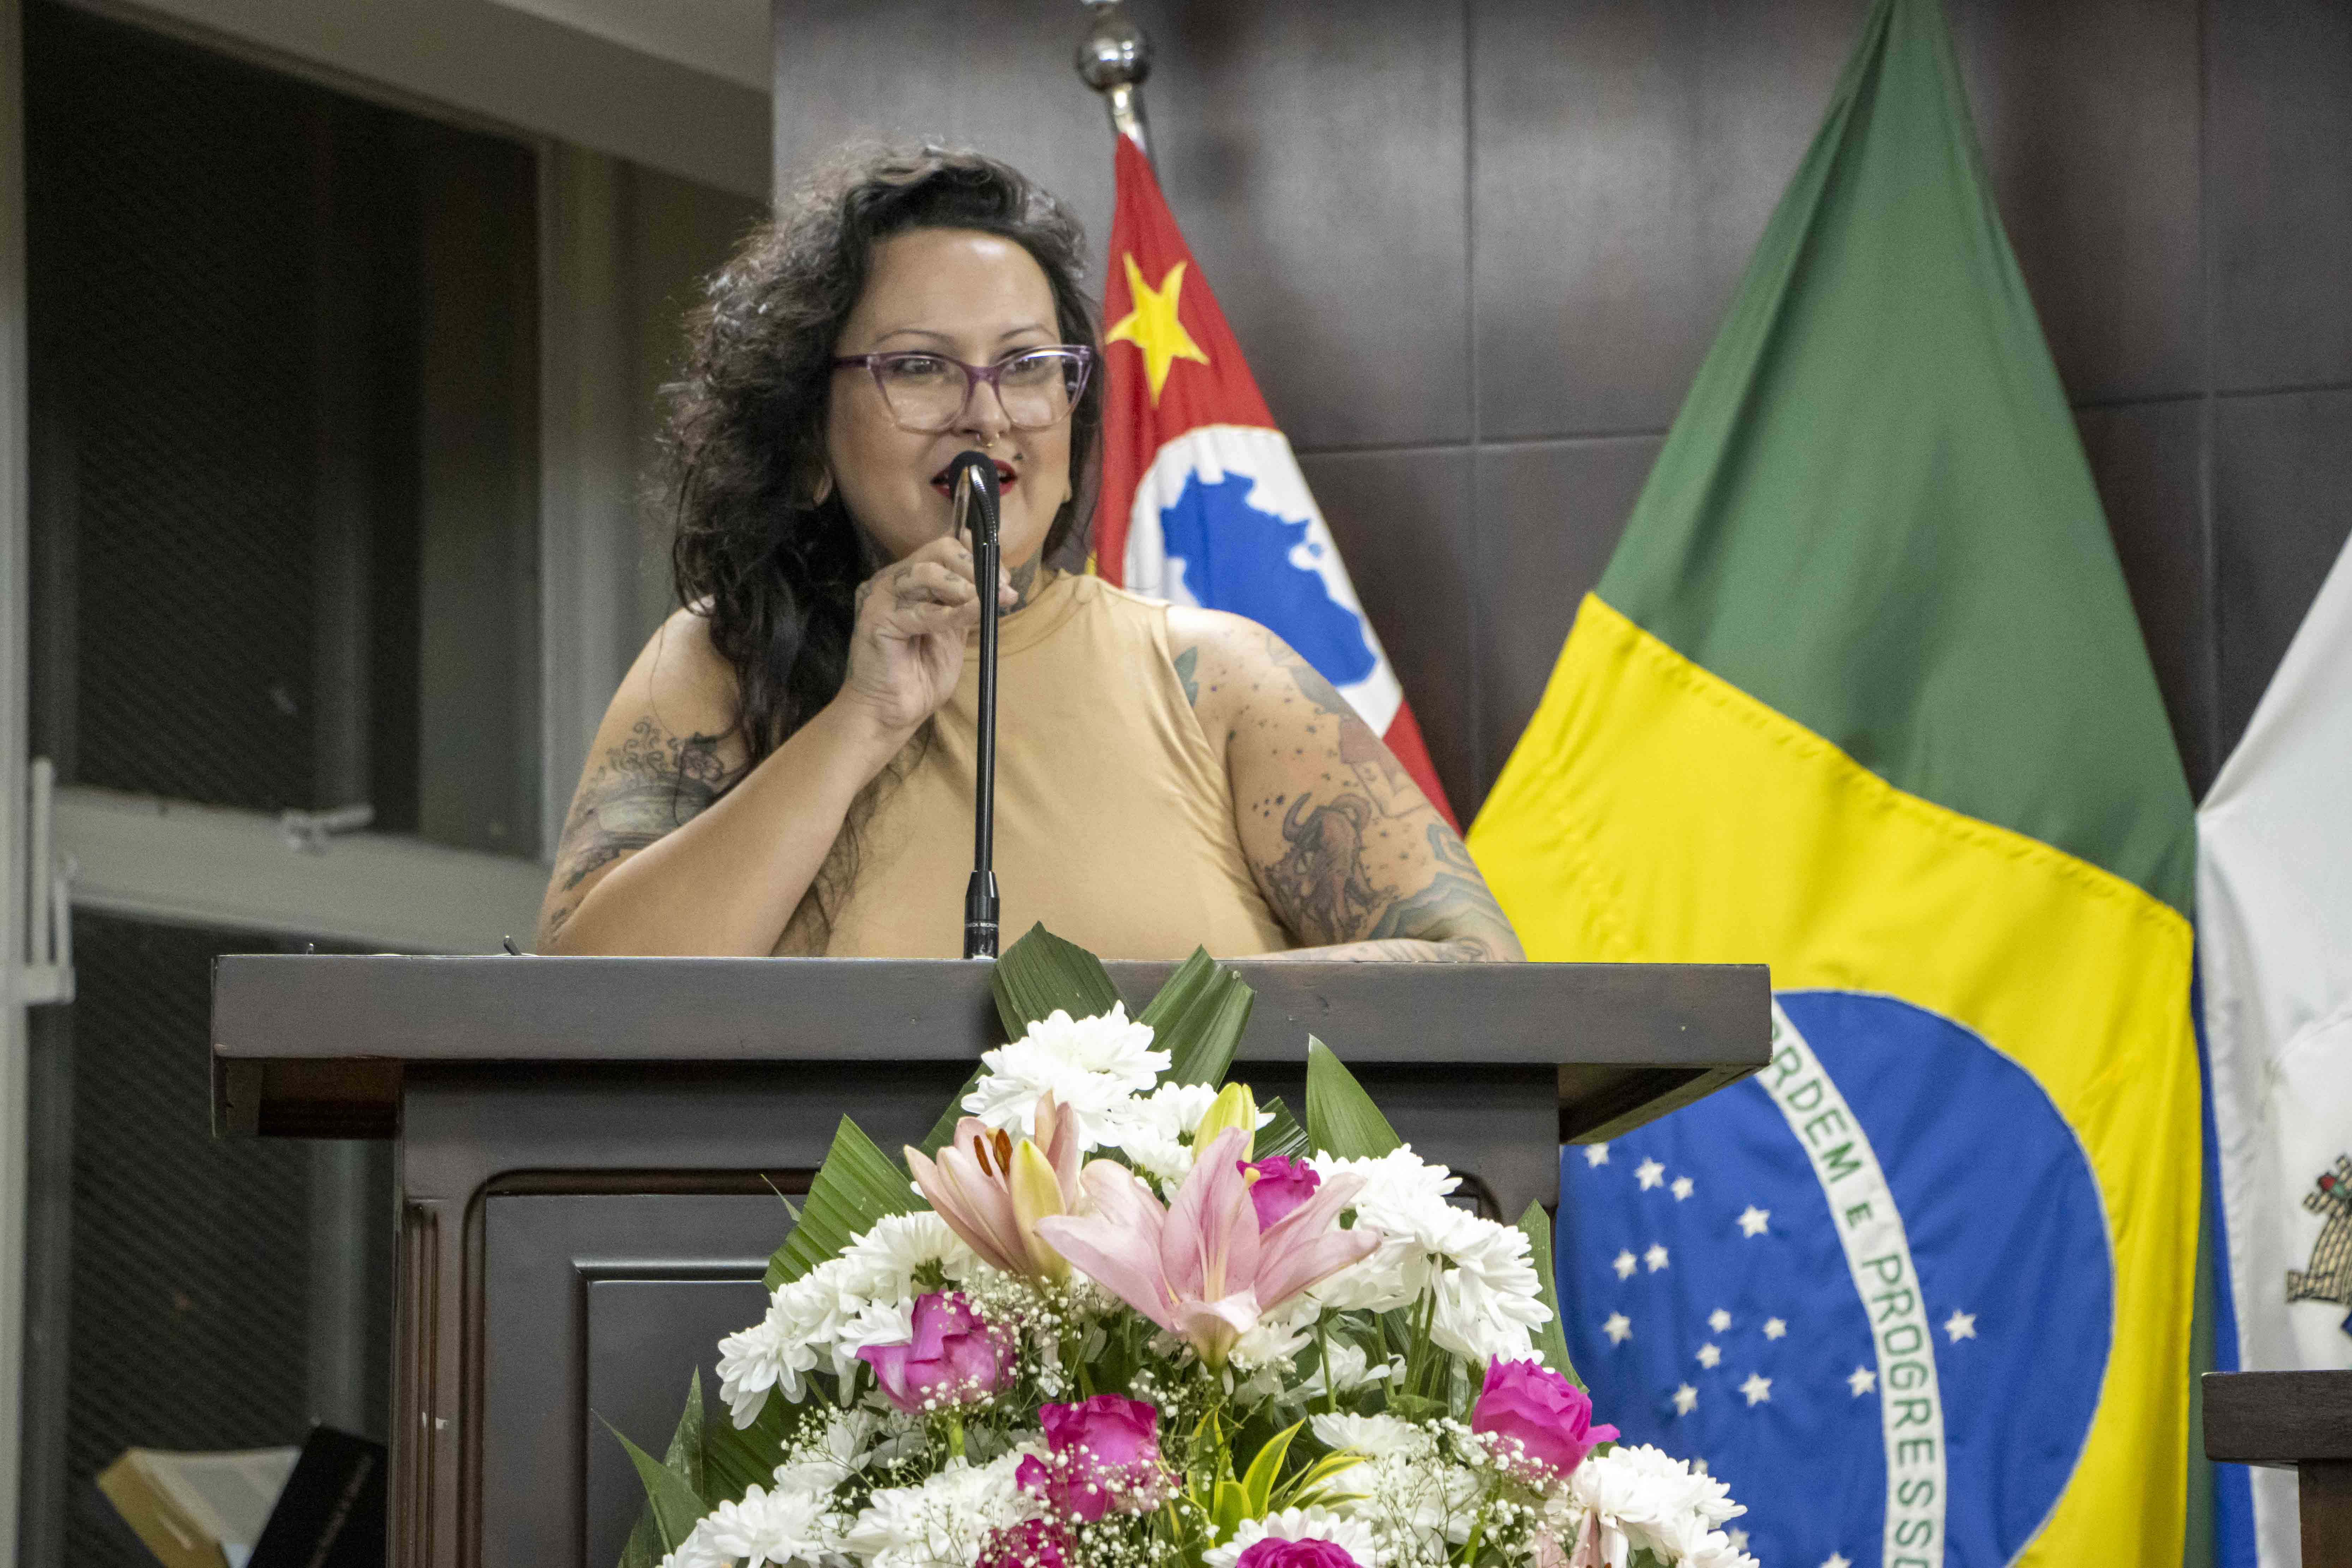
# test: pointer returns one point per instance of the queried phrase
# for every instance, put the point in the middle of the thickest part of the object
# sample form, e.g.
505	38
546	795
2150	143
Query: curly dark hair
774	567
765	552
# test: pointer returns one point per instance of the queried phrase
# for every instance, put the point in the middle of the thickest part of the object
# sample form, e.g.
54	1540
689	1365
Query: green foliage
1198	1018
855	1186
1313	1487
1259	1482
734	1461
1226	1513
1041	974
684	1459
672	1503
1552	1341
1341	1119
1282	1135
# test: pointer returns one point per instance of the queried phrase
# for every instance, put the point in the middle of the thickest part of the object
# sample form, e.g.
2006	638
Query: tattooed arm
1355	861
671	845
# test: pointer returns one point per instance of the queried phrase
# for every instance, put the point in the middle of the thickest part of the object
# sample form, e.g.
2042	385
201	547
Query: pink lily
991	1191
1201	1268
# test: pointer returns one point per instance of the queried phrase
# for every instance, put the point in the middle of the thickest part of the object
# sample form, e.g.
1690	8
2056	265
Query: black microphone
971	481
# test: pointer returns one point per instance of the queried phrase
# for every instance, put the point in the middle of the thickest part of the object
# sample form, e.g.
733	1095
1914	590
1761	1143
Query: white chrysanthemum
1480	1323
1350	1368
881	1265
770	1530
1376	1437
1150	1130
859	1297
699	1550
942	1522
773	1353
1655	1500
1091	1066
1352	1536
1488	1296
1276	1337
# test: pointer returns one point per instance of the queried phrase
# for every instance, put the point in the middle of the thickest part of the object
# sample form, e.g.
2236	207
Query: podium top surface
2278	1417
1624	1037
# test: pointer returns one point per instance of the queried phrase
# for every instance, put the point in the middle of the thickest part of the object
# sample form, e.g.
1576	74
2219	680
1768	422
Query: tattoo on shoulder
1360	749
1187	663
647	785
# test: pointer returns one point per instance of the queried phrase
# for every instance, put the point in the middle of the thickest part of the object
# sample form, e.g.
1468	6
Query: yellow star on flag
1152	326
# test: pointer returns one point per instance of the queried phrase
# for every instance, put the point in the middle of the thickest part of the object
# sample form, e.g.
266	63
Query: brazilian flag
1861	696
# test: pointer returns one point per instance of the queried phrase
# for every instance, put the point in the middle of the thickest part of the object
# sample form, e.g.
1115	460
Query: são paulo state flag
1202	502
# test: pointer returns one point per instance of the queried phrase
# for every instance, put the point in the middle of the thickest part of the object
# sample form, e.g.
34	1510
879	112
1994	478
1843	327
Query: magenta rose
954	1359
1104	1454
1309	1553
1031	1544
1550	1417
1281	1184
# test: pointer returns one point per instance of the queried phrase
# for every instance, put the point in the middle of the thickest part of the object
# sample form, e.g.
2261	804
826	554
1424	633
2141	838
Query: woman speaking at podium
788	766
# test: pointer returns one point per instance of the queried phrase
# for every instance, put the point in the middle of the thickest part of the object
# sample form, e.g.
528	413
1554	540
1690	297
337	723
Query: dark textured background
1474	252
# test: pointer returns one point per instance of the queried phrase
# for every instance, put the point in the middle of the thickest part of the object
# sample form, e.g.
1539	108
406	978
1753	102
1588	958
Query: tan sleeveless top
1114	814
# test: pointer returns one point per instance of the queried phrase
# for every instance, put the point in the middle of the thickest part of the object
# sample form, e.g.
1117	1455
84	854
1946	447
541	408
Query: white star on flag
1618	1327
1656	1257
1753	1220
1596	1153
1738	1540
1719	1319
1650	1173
1861	1380
1681	1188
1624	1264
1775	1329
1686	1399
1837	1559
1710	1357
1962	1326
1758	1388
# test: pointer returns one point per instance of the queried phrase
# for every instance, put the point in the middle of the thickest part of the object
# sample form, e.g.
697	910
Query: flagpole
1114	57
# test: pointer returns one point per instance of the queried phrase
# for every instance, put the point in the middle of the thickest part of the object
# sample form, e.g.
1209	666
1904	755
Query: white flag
2275	930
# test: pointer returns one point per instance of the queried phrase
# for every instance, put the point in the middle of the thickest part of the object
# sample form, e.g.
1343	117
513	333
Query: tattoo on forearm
1319	884
1455	906
646	787
1345	881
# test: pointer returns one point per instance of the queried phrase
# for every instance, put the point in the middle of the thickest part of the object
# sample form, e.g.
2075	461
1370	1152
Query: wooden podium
588	1151
2296	1420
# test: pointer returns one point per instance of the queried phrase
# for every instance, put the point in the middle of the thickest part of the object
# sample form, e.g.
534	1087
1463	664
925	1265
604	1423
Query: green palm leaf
1341	1118
1551	1340
855	1186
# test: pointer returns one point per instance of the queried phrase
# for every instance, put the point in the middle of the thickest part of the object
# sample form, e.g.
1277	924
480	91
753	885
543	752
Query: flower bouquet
1117	1313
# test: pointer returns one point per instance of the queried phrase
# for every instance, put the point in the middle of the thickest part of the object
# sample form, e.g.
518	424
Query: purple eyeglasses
926	392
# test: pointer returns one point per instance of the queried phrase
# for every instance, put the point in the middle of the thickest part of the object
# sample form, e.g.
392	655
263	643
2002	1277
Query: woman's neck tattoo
1024	581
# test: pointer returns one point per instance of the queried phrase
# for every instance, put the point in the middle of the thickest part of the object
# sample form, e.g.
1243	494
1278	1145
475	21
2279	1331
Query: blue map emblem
1229	556
1871	1287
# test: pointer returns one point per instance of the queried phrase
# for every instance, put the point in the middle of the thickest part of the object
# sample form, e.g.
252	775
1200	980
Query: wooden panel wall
1475	251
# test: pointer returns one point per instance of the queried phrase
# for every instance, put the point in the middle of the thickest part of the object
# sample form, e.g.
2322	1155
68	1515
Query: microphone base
980	916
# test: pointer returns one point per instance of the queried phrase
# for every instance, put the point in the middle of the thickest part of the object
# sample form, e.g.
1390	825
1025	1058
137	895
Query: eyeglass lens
926	392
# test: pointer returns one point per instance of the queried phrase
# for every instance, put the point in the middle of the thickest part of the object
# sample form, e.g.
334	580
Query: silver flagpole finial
1114	57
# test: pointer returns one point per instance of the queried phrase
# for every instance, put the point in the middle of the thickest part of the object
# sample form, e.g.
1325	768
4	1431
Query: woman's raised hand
905	651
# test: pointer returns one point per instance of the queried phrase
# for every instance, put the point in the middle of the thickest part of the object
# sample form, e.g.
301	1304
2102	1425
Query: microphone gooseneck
972	481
